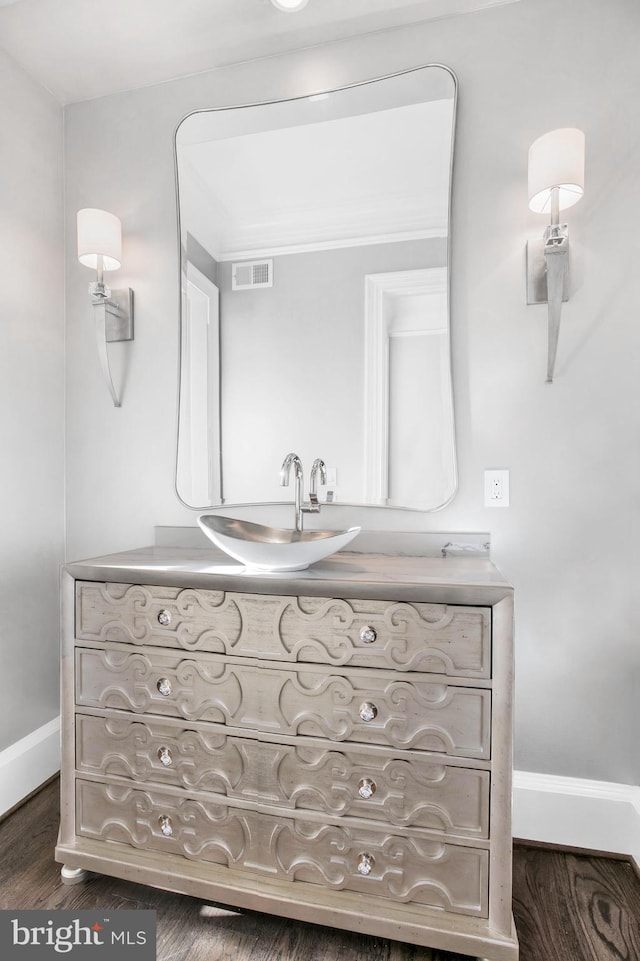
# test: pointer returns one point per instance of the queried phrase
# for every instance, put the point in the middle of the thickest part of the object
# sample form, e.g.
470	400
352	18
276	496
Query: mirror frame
224	506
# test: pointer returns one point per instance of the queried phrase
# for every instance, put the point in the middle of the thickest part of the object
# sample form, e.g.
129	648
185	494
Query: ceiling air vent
252	273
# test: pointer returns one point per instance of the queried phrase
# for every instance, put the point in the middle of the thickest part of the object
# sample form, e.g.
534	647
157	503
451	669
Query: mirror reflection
314	239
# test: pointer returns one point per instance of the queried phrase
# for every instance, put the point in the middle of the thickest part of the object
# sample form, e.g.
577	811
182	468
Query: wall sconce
556	181
99	247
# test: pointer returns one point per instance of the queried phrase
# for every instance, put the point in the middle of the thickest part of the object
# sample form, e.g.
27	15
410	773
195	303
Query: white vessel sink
272	548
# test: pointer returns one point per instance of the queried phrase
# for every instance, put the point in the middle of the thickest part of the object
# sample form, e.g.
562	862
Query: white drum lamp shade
99	233
556	160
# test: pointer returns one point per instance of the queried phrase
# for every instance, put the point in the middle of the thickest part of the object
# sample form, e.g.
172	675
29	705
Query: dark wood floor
567	907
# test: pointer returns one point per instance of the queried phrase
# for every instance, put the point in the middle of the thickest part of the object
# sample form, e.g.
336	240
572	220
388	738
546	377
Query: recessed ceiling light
290	6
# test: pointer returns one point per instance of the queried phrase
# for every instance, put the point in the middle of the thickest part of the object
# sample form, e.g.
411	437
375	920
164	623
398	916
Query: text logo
80	935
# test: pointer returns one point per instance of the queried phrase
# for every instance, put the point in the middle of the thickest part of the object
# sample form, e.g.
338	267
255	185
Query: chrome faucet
292	460
285	471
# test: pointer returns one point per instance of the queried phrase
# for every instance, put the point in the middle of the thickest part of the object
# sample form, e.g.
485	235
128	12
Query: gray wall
569	540
277	404
31	401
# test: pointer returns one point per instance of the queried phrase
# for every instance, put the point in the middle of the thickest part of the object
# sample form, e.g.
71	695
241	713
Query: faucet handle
319	467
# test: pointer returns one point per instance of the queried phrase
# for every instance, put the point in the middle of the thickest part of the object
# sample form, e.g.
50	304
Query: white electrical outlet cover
496	488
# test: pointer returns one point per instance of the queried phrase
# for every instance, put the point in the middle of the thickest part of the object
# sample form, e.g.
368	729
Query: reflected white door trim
380	289
199	429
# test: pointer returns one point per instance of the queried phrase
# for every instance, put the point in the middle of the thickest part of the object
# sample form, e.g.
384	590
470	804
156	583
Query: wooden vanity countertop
454	580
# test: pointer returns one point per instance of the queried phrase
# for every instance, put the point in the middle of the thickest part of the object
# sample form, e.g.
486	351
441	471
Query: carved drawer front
374	707
370	861
162	616
432	638
374	784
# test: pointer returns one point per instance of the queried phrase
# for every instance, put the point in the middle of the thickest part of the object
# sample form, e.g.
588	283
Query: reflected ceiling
329	197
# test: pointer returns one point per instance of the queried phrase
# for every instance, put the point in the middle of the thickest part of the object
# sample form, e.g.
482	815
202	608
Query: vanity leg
73	875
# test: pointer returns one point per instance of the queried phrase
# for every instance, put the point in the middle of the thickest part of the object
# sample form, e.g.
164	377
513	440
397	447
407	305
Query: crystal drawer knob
165	756
368	711
164	686
368	635
365	864
366	788
165	825
164	618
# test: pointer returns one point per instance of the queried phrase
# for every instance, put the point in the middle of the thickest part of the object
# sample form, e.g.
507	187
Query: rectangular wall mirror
314	239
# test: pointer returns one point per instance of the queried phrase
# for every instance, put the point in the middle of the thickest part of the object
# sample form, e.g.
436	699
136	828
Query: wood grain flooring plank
602	905
543	920
575	907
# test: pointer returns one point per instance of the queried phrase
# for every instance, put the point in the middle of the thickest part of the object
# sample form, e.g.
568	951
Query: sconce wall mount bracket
548	281
113	315
536	253
118	307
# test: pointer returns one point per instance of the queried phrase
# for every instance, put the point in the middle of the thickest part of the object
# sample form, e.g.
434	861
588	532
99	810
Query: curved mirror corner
314	238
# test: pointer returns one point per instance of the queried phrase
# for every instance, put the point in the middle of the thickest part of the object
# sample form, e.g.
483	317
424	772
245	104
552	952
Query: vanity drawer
373	707
432	638
376	784
404	867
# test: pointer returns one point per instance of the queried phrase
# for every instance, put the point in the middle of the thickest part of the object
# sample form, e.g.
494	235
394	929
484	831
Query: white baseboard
598	815
28	763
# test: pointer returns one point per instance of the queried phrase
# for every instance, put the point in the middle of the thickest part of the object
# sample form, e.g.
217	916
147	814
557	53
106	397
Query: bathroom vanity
331	745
